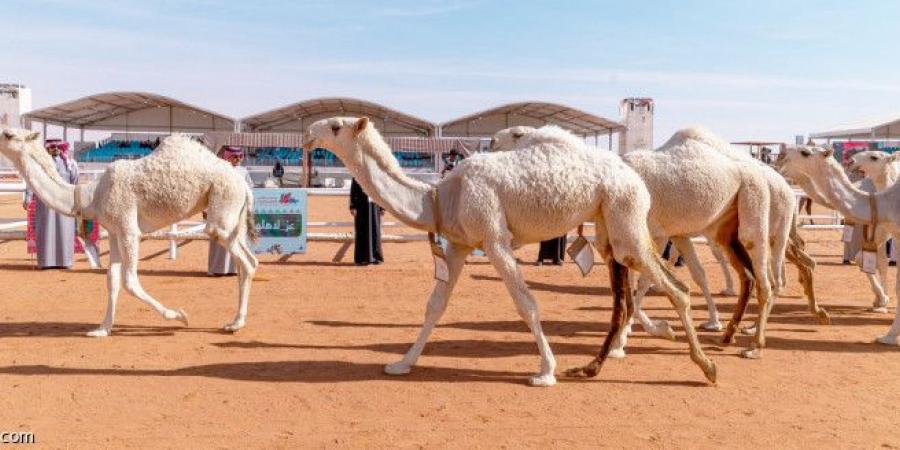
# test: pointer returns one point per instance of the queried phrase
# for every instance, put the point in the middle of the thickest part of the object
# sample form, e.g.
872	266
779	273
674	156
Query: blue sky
745	69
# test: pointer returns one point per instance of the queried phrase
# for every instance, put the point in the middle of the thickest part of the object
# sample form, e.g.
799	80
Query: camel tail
249	217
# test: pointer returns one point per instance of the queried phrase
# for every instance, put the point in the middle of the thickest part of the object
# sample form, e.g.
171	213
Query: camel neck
887	177
844	196
378	172
52	190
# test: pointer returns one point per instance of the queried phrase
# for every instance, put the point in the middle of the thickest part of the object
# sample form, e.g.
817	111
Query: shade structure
296	117
873	128
132	111
486	123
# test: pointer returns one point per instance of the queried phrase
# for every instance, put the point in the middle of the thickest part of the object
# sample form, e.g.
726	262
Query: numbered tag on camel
583	254
441	270
847	236
868	261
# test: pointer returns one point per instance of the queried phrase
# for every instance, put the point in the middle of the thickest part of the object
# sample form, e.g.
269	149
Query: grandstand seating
111	150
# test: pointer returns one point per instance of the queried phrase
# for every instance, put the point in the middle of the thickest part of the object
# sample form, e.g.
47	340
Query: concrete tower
637	116
15	100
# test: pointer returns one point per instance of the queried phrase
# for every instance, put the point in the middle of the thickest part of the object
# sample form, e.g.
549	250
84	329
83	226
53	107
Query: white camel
499	202
824	178
179	179
883	170
694	190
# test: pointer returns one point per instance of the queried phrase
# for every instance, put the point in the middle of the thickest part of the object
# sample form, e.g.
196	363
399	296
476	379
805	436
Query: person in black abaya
553	250
367	226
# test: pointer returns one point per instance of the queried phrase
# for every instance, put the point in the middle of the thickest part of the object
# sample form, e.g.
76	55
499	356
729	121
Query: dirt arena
307	369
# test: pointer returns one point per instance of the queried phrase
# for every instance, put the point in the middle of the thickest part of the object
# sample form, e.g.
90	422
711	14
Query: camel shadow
560	289
307	263
550	327
315	372
78	329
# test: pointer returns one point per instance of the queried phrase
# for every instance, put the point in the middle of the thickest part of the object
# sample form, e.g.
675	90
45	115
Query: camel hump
696	133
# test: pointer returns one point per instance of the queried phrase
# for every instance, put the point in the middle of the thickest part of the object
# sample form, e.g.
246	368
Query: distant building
15	100
637	116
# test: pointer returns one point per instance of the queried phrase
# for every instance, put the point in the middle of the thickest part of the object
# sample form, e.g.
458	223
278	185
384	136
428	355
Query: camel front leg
246	270
128	246
504	261
113	286
881	301
437	304
699	276
891	338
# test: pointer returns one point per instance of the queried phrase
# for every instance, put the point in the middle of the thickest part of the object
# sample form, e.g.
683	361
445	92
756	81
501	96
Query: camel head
15	143
802	161
508	138
23	147
340	135
872	162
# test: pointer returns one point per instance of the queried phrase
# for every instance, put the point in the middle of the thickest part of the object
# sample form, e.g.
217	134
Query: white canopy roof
488	122
131	111
295	118
872	128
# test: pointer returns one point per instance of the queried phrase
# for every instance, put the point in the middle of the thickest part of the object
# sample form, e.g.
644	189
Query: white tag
441	271
869	262
583	254
848	234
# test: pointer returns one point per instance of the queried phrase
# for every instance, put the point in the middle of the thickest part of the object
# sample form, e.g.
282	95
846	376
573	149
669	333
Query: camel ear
33	136
9	136
829	152
361	125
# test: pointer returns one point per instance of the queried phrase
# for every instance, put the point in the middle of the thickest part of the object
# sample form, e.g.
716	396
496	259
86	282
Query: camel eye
335	129
874	158
806	152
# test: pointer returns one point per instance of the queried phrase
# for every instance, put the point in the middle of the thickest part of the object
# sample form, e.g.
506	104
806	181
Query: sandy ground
307	370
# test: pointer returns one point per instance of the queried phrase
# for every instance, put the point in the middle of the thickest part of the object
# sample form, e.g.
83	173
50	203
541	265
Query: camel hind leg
246	270
753	206
627	234
723	265
621	288
796	254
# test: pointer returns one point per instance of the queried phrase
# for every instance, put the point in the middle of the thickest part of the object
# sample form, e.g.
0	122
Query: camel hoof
99	332
710	326
177	314
824	318
616	353
888	340
581	372
711	372
751	353
233	327
880	309
749	331
662	329
542	380
397	368
728	292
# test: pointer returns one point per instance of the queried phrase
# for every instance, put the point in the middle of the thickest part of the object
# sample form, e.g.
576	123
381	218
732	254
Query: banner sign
280	220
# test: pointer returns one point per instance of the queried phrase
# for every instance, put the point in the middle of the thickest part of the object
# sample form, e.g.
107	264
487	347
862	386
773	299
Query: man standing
367	227
54	232
219	261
